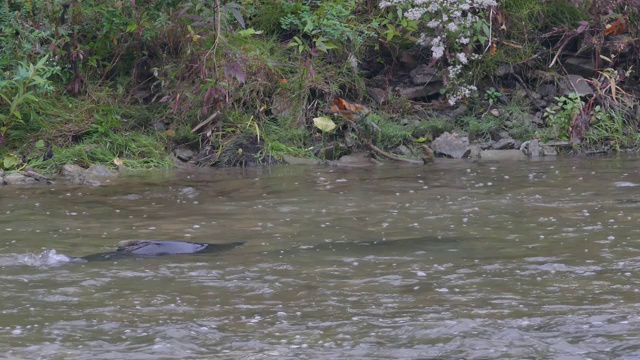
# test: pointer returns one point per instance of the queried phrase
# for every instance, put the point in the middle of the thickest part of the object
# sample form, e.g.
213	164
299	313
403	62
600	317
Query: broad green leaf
10	161
295	42
486	29
309	27
249	32
42	61
22	73
324	124
28	96
321	46
132	27
236	13
39	144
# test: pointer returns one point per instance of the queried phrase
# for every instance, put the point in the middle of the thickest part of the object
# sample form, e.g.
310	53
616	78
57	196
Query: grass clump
480	128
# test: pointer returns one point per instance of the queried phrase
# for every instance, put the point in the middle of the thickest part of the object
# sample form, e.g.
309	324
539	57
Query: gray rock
74	173
534	148
414	92
575	84
402	149
378	95
19	179
99	171
183	154
423	74
566	144
189	192
535	119
91	182
354	160
507	143
457	112
579	66
77	175
329	151
547	91
549	150
36	175
541	103
552	148
451	146
502	155
475	151
486	145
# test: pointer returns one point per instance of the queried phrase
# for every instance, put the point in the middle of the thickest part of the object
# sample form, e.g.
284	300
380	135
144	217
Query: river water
467	260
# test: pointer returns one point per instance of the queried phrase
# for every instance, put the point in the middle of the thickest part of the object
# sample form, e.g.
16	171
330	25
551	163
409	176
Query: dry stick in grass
377	150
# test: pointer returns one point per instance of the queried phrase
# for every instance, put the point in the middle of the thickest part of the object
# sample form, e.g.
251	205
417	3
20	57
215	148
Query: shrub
456	33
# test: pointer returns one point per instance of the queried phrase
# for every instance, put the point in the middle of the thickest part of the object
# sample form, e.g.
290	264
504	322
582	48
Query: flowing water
516	260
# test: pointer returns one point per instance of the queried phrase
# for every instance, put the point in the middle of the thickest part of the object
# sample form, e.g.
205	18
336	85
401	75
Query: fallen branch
529	94
561	47
385	154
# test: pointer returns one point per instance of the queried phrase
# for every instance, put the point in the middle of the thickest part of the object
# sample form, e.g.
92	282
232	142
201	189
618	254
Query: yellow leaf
324	124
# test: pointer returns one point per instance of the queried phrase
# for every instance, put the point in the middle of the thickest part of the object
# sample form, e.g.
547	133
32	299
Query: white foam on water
625	184
46	258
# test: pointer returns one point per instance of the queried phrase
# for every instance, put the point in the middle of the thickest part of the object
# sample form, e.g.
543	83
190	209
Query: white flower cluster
448	27
461	92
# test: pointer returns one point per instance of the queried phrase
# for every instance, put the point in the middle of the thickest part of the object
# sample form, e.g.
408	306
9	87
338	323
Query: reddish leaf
233	8
175	104
615	28
235	69
583	26
347	109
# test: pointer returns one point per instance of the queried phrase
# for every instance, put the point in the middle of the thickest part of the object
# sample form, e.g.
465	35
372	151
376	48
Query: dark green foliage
480	128
242	83
331	20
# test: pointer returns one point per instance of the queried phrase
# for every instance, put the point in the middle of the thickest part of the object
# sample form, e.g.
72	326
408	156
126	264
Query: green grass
613	130
281	139
136	150
480	128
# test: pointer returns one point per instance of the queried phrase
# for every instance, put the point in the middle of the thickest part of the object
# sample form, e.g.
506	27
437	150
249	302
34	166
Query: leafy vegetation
241	82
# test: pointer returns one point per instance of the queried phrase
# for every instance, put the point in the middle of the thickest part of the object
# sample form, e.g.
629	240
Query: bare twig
217	40
526	89
564	43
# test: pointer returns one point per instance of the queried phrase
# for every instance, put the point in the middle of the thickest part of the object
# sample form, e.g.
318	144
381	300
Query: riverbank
96	83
